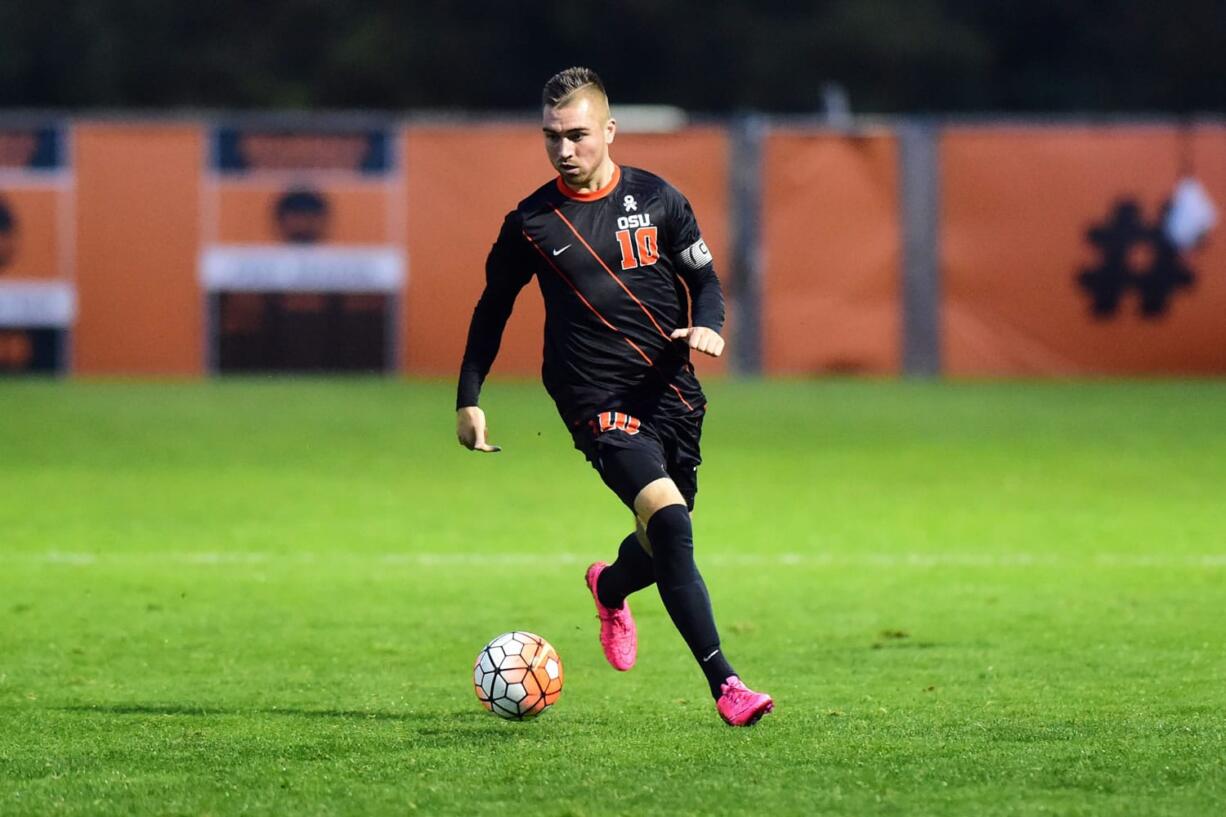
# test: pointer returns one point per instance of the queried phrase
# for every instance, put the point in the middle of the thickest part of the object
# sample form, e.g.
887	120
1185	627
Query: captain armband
697	255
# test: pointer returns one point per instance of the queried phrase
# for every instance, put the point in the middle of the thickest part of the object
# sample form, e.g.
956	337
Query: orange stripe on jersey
646	358
689	301
643	354
619	281
562	275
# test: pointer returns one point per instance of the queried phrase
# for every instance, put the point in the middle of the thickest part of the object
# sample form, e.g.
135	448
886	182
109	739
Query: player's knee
656	495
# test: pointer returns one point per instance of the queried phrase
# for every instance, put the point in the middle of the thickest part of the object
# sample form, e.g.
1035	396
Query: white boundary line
542	560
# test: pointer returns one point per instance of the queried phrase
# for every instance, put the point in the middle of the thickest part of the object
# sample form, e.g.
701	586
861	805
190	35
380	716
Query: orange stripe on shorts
616	421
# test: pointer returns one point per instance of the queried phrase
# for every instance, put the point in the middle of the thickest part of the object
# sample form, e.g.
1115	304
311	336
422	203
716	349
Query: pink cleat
739	705
618	637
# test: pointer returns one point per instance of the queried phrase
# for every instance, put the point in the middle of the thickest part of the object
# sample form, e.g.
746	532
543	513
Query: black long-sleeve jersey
619	270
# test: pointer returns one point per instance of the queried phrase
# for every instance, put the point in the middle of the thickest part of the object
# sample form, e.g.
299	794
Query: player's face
577	139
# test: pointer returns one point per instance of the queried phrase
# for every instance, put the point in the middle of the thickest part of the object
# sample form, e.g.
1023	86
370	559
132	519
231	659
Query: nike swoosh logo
564	249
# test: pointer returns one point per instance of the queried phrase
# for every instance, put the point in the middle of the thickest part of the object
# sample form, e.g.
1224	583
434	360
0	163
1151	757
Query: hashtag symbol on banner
1134	256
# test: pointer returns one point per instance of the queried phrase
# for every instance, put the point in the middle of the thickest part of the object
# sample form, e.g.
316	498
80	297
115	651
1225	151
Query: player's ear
610	130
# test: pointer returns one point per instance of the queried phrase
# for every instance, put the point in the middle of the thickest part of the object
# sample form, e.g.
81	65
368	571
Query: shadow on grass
287	711
458	727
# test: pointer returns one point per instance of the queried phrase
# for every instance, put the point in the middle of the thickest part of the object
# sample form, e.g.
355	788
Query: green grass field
264	598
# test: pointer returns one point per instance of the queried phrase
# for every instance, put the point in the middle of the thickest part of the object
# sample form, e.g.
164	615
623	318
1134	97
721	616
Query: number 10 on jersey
644	241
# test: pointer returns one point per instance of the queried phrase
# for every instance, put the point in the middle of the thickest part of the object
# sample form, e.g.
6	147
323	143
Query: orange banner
832	248
1053	256
1054	260
32	239
141	310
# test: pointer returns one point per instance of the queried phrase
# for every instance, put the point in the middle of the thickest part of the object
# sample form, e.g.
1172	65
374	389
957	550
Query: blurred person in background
301	217
8	235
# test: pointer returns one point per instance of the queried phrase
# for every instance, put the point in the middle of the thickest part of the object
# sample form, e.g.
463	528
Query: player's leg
632	571
680	583
681	586
634	467
610	584
685	596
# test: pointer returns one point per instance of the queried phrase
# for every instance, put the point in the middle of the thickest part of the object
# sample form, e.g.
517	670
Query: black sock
632	571
685	593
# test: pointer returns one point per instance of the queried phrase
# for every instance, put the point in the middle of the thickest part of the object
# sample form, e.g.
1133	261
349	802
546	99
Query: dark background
891	55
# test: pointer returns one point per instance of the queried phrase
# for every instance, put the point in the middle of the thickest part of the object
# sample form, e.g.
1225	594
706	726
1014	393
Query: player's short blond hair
565	85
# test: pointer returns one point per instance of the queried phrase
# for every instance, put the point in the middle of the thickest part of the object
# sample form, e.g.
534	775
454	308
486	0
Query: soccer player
620	263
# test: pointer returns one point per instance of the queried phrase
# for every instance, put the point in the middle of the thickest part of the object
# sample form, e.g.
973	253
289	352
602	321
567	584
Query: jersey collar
595	195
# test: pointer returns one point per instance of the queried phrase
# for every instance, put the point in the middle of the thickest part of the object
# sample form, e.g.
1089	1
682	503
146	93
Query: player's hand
701	338
470	429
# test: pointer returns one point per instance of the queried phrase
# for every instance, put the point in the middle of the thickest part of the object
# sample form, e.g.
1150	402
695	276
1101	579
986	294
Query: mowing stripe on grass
537	561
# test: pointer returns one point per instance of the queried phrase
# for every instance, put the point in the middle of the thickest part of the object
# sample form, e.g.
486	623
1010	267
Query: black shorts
629	453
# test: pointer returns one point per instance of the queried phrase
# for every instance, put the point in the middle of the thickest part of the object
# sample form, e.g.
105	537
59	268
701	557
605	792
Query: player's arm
693	262
507	269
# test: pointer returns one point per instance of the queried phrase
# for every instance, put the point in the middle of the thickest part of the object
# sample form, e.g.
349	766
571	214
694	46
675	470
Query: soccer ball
518	675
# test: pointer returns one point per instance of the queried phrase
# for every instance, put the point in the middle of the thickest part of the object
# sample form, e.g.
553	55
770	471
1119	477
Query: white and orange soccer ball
518	675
